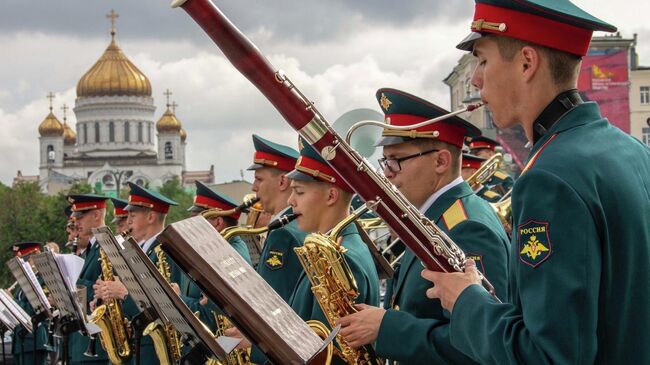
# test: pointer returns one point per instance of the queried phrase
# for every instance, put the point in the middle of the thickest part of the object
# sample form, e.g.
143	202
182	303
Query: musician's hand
113	290
93	304
448	286
98	288
234	332
176	288
203	300
361	328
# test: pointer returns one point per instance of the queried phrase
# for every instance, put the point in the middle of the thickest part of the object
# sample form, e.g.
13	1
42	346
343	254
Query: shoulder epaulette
454	214
500	175
490	194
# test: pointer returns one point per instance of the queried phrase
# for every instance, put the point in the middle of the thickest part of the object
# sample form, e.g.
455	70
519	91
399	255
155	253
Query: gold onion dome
50	126
168	122
113	75
183	135
69	136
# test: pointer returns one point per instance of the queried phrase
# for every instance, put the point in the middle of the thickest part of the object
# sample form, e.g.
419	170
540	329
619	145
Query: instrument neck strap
558	107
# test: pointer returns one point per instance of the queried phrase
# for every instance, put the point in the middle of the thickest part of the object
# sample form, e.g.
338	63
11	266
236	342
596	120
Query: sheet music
16	311
62	292
112	245
7	318
70	266
251	302
35	284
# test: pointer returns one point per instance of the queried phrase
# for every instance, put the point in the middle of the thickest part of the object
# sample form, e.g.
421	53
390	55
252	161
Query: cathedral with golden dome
116	138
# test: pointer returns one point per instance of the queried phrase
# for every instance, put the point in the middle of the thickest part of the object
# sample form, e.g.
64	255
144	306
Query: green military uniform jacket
191	294
39	336
279	265
416	331
90	272
363	269
580	273
500	182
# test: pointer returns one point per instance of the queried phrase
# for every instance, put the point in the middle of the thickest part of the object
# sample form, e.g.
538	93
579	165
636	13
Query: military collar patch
274	260
534	243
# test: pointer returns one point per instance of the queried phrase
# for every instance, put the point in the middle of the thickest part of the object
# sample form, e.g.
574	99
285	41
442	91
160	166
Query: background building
116	138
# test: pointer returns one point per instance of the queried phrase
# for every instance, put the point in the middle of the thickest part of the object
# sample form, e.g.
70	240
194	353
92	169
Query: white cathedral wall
118	109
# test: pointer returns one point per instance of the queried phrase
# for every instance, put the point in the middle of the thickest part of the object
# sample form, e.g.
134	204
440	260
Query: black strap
562	103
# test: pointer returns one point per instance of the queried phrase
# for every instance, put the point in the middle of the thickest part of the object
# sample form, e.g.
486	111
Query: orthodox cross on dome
112	16
65	109
50	96
174	105
167	93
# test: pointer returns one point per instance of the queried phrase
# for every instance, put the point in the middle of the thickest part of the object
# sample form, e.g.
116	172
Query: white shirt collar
280	214
147	244
432	199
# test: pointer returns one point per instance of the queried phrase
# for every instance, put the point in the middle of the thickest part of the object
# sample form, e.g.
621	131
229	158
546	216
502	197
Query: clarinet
427	241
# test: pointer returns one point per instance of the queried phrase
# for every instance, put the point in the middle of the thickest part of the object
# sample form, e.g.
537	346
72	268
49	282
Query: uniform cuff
462	320
385	337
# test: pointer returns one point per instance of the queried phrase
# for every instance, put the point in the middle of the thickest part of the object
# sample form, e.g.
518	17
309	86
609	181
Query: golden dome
168	122
183	135
112	75
50	126
69	136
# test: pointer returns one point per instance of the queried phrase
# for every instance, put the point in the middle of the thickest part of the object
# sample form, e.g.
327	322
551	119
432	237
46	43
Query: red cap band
279	162
481	144
205	202
533	28
120	213
448	133
475	164
79	207
142	201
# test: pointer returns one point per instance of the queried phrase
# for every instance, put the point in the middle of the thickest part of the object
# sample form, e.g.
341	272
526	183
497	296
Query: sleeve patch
490	194
454	214
500	175
534	242
479	261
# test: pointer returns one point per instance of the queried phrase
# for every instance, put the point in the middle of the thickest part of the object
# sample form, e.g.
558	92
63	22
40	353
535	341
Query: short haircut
425	144
564	66
230	221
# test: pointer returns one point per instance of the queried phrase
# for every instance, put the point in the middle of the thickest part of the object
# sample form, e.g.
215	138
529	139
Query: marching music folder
62	289
252	305
152	290
14	310
6	318
22	271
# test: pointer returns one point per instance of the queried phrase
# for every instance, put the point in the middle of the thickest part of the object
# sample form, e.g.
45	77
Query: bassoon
427	241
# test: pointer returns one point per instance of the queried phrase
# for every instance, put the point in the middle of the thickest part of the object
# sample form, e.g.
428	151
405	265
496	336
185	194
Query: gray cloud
310	20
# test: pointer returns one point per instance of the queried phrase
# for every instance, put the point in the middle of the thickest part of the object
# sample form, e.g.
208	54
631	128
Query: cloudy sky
338	51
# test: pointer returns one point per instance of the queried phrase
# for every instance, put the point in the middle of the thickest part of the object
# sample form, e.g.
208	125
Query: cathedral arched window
127	132
85	132
96	132
108	181
169	152
111	131
149	133
140	132
51	155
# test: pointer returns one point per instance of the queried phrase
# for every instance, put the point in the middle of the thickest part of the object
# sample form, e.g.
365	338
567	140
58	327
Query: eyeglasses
395	164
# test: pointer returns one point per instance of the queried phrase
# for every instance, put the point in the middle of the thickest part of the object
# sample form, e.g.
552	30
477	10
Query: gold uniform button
396	307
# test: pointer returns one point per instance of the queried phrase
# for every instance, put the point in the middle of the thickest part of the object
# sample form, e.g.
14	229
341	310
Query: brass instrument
166	340
114	336
254	211
333	284
249	200
503	209
229	232
236	356
483	174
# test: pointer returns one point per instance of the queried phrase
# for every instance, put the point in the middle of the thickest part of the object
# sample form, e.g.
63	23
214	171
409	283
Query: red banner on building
604	79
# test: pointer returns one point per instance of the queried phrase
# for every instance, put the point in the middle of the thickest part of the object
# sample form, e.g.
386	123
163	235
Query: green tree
173	189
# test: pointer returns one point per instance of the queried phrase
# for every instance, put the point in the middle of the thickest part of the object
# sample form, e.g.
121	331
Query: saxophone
166	340
114	336
334	285
236	356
